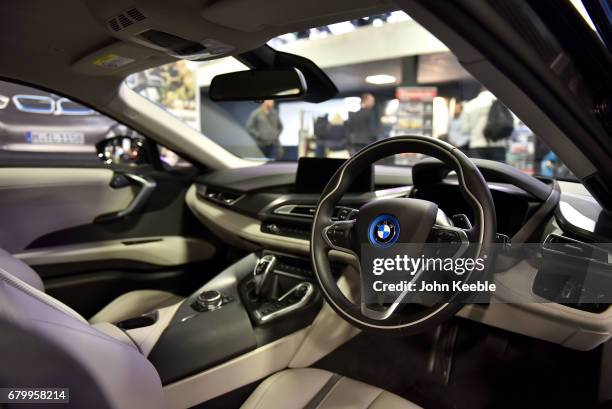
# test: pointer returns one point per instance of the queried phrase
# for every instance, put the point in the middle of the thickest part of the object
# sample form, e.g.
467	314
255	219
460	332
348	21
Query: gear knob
262	274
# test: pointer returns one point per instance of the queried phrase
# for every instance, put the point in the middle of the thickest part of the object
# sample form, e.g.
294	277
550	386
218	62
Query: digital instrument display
313	174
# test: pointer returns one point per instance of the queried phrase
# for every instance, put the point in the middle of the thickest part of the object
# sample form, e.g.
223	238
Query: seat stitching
32	292
97	333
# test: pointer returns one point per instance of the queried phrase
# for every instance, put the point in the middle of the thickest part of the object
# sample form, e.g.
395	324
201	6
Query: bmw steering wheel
383	223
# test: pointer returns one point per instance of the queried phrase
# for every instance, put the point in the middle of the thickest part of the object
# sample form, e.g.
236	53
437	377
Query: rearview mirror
258	84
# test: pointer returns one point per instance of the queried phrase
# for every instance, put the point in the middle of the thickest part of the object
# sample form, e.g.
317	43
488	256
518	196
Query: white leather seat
311	388
128	305
46	343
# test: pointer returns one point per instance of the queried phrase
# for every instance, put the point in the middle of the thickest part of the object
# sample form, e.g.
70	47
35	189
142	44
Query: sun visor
119	58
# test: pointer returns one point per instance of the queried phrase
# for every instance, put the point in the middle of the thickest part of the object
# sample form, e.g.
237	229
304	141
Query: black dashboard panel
272	176
313	174
512	208
259	191
431	170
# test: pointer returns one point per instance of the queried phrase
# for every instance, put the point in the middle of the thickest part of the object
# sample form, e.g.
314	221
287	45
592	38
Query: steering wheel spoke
380	312
457	239
340	236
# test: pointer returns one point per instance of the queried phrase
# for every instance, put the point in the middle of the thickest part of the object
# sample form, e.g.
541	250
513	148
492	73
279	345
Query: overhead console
200	30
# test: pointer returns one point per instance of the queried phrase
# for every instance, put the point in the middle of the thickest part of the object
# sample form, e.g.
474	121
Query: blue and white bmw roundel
384	230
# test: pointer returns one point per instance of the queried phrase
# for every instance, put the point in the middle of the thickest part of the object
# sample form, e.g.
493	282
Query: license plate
55	138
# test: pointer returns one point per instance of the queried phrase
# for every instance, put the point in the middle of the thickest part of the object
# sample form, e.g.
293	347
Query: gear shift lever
262	274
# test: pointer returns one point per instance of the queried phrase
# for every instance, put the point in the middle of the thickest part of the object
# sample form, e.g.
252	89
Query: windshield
393	78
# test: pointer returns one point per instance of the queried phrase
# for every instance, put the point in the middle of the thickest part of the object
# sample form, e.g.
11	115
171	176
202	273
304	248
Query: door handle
147	186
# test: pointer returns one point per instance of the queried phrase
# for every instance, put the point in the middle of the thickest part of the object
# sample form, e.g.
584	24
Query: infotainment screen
313	174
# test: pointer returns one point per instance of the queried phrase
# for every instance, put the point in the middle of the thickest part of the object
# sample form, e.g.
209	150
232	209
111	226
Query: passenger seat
128	305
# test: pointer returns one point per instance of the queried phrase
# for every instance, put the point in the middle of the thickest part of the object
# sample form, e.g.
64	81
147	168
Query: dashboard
263	208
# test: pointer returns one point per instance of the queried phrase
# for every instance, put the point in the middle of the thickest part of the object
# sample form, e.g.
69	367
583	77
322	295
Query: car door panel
163	251
54	223
90	204
39	201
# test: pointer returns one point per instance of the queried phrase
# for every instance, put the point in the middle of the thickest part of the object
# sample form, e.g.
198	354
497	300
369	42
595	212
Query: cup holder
138	322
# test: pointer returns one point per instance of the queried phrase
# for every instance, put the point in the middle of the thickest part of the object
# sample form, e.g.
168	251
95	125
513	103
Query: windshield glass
393	78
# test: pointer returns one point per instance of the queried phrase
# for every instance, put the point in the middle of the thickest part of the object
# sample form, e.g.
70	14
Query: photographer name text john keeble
424	286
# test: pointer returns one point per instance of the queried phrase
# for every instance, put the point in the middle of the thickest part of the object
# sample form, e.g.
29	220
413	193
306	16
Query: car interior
159	254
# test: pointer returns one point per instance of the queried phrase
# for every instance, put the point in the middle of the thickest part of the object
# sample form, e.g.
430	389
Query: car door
93	230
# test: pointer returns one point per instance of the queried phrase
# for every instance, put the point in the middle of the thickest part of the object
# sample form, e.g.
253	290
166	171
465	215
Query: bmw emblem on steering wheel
384	231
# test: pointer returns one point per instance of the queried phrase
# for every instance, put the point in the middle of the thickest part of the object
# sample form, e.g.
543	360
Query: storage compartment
575	274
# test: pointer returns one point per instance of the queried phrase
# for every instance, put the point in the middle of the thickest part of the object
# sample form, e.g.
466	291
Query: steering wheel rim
474	189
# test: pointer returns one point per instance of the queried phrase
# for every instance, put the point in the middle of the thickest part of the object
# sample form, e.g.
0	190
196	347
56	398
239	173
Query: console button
208	301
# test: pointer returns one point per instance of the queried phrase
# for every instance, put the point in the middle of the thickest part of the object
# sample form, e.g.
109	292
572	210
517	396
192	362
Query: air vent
217	195
296	210
308	211
114	24
126	19
135	14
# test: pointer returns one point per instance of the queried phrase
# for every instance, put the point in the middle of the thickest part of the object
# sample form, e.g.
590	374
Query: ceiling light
341	28
398	16
380	79
353	104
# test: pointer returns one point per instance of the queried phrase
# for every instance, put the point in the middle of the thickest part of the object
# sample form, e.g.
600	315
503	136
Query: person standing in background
456	136
489	124
363	126
265	126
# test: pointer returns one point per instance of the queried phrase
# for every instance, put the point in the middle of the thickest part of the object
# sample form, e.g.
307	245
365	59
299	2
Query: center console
259	299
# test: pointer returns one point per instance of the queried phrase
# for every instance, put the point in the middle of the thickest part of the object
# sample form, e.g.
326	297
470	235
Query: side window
38	128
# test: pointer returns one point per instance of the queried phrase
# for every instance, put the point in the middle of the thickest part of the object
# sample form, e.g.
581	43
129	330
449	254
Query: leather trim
38	201
20	270
134	303
114	332
311	388
146	338
233	374
39	295
322	394
157	250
